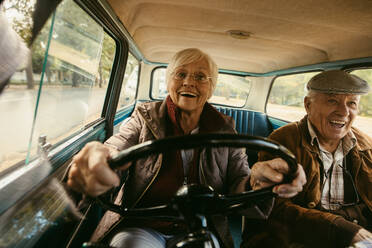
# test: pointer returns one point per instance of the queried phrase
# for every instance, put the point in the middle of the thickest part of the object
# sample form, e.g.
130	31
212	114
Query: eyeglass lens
198	76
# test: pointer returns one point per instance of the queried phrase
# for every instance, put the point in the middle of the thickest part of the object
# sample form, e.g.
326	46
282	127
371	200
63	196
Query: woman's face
190	86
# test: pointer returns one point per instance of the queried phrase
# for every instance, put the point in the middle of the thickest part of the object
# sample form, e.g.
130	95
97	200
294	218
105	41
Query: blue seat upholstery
250	123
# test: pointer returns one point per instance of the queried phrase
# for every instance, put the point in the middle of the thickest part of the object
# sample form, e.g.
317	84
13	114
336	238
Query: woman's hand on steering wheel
267	173
90	173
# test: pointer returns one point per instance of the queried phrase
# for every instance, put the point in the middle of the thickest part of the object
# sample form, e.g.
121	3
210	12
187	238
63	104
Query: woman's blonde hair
191	55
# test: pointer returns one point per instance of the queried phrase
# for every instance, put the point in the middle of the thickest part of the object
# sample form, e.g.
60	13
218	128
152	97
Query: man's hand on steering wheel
271	172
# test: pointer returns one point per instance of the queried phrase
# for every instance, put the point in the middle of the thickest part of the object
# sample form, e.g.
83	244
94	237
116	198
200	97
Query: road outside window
64	87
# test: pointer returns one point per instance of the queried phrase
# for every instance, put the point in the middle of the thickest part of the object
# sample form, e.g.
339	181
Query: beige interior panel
283	33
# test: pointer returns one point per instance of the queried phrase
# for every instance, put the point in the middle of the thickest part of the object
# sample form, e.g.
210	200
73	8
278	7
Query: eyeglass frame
193	76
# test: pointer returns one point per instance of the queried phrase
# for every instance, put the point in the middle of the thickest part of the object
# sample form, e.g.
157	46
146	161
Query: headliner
283	33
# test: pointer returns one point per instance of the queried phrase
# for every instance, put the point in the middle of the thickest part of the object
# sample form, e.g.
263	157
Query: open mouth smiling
338	124
188	94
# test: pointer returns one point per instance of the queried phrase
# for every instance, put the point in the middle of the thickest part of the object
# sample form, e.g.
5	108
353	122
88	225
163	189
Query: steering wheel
193	201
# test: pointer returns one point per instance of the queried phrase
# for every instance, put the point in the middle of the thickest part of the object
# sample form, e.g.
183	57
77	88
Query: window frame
61	153
152	82
119	109
272	84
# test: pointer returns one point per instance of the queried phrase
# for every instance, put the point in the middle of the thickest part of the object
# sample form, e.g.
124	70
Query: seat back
250	123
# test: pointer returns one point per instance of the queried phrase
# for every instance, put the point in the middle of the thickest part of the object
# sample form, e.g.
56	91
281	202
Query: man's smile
337	124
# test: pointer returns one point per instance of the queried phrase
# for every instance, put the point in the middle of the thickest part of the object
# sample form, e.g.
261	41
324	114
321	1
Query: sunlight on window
64	87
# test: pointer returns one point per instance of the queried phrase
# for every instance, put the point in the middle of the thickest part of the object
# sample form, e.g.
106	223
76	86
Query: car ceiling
281	33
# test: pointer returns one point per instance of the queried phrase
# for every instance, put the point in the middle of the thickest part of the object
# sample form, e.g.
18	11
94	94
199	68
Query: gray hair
311	94
191	55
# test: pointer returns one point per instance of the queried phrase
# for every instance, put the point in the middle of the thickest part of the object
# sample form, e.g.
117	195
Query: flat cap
338	82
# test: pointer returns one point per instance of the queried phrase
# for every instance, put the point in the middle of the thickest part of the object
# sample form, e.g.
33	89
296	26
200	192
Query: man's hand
90	172
267	173
362	235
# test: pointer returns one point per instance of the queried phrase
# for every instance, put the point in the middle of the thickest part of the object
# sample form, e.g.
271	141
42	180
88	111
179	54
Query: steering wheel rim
211	140
253	143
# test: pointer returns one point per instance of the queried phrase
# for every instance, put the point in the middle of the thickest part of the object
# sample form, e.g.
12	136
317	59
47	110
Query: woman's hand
268	173
90	173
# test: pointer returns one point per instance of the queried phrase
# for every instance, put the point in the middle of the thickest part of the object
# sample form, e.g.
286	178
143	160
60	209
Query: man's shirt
333	180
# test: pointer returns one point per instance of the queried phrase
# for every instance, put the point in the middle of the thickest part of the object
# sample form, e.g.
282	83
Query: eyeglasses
198	77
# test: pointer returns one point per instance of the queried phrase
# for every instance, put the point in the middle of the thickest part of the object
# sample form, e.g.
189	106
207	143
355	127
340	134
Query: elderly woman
191	79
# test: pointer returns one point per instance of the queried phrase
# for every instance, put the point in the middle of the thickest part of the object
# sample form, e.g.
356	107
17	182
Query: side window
364	119
231	90
286	100
130	82
64	87
159	83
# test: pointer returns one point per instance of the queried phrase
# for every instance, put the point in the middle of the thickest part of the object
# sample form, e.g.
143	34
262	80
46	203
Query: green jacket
306	223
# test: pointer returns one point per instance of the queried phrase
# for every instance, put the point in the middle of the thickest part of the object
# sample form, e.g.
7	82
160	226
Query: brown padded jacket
225	169
307	224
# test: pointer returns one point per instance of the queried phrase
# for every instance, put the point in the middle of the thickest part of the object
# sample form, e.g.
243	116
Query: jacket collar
212	121
155	116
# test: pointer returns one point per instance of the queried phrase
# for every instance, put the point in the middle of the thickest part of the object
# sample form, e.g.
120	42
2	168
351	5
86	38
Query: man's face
332	115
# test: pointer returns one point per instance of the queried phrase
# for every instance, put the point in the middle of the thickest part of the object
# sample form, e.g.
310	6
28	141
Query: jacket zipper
160	158
148	186
201	168
150	183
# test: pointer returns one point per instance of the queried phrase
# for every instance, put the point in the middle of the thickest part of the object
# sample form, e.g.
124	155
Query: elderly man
334	209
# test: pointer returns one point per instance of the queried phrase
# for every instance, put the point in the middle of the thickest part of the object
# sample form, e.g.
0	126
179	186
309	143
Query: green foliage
290	90
74	29
107	56
23	23
365	104
38	49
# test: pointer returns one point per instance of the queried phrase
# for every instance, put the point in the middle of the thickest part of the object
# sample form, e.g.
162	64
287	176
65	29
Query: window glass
364	119
286	100
231	90
64	87
159	84
130	82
